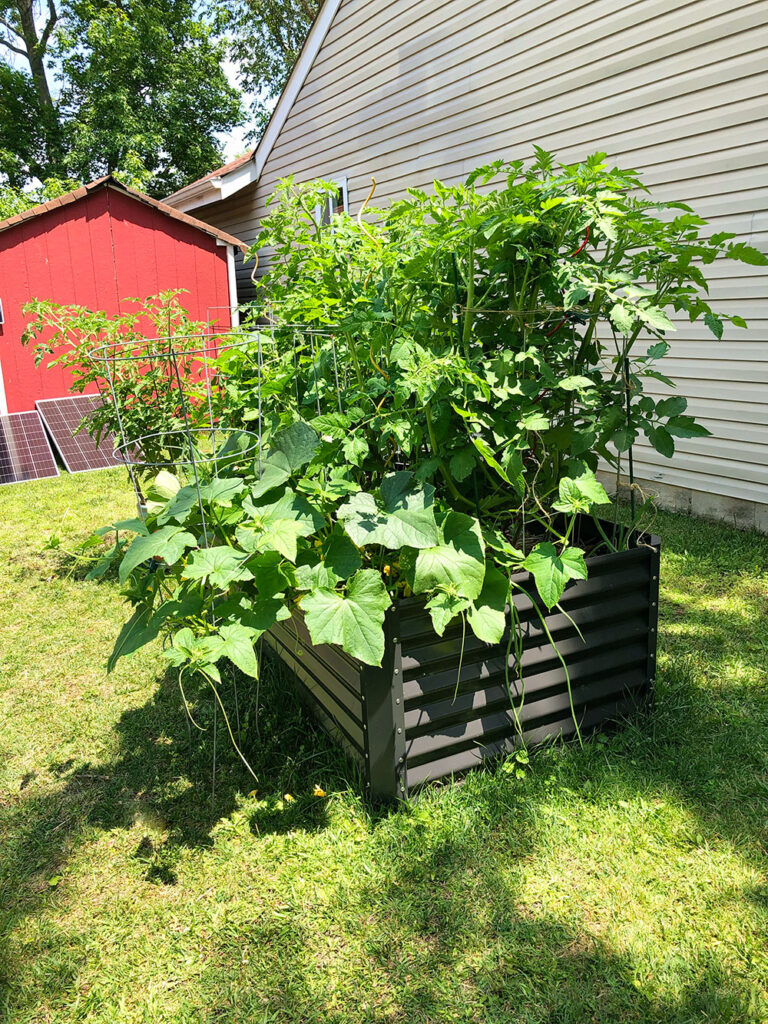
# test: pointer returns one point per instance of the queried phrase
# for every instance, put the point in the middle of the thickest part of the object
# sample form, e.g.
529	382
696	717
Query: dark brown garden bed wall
408	722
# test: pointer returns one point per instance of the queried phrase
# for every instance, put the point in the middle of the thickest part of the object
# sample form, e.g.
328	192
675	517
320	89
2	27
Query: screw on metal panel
652	654
401	760
653	604
654	577
652	629
365	726
397	700
395	640
399	730
397	671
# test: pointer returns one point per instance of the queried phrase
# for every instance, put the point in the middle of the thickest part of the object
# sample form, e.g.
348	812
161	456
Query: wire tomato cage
169	396
164	393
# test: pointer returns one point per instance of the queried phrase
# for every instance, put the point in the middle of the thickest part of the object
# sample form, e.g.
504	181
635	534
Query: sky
234	142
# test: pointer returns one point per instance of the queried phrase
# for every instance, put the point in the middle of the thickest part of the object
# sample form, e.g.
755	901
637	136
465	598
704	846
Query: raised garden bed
408	722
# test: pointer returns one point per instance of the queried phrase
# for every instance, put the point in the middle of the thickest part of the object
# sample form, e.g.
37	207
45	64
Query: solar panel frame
25	451
78	452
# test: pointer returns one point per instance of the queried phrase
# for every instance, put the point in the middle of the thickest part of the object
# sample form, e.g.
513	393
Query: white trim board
3	400
234	309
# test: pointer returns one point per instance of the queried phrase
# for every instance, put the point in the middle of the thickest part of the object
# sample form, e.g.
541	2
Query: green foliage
140	374
621	882
352	618
141	92
16	200
265	39
436	386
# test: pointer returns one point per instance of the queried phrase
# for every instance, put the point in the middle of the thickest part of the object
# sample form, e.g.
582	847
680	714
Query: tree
139	89
15	200
266	38
22	138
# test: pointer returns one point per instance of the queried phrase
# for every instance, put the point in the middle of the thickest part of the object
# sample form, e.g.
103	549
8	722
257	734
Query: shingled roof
108	181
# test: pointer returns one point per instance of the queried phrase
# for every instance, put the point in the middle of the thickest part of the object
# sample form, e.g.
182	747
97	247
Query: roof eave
198	194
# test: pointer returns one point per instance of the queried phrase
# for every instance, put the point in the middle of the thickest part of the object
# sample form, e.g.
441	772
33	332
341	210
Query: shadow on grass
441	929
163	780
434	899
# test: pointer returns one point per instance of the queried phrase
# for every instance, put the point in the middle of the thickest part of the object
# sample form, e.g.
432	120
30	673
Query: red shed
97	247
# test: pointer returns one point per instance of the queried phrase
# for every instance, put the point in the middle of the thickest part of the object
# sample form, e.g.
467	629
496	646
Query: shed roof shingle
109	182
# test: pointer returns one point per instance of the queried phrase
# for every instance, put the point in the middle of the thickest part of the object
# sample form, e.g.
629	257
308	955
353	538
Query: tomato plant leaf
575	383
662	441
672	406
462	463
355	449
686	426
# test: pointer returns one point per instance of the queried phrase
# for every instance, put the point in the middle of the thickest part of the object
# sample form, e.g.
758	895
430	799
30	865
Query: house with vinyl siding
409	90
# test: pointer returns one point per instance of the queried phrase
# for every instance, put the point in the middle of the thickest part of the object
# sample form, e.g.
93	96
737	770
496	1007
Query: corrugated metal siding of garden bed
330	677
406	91
454	717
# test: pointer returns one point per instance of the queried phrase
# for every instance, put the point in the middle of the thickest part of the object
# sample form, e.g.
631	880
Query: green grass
624	882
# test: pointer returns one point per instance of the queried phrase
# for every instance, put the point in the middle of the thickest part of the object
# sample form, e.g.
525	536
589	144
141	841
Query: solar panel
78	451
25	453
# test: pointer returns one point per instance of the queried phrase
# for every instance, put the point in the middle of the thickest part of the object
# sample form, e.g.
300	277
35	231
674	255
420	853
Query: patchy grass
624	882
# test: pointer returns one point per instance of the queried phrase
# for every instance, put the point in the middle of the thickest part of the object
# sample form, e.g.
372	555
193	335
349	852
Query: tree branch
8	43
53	17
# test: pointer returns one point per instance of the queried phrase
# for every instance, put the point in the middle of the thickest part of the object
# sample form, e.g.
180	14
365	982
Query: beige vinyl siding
407	91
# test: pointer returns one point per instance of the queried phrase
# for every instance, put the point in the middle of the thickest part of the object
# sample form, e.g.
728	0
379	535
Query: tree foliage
266	38
15	200
99	87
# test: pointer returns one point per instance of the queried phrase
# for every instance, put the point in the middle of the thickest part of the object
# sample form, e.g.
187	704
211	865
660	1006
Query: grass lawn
618	883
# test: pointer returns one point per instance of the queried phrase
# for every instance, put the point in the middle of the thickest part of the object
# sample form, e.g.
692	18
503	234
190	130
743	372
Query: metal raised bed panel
441	705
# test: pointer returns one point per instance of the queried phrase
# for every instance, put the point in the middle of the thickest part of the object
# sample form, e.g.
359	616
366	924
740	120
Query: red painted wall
98	252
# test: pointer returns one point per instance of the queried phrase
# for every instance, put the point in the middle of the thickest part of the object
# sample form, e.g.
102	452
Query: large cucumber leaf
455	564
487	615
354	619
400	514
551	570
169	543
298	443
221	566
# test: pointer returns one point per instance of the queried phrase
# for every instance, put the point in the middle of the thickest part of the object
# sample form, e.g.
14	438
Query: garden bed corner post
384	718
